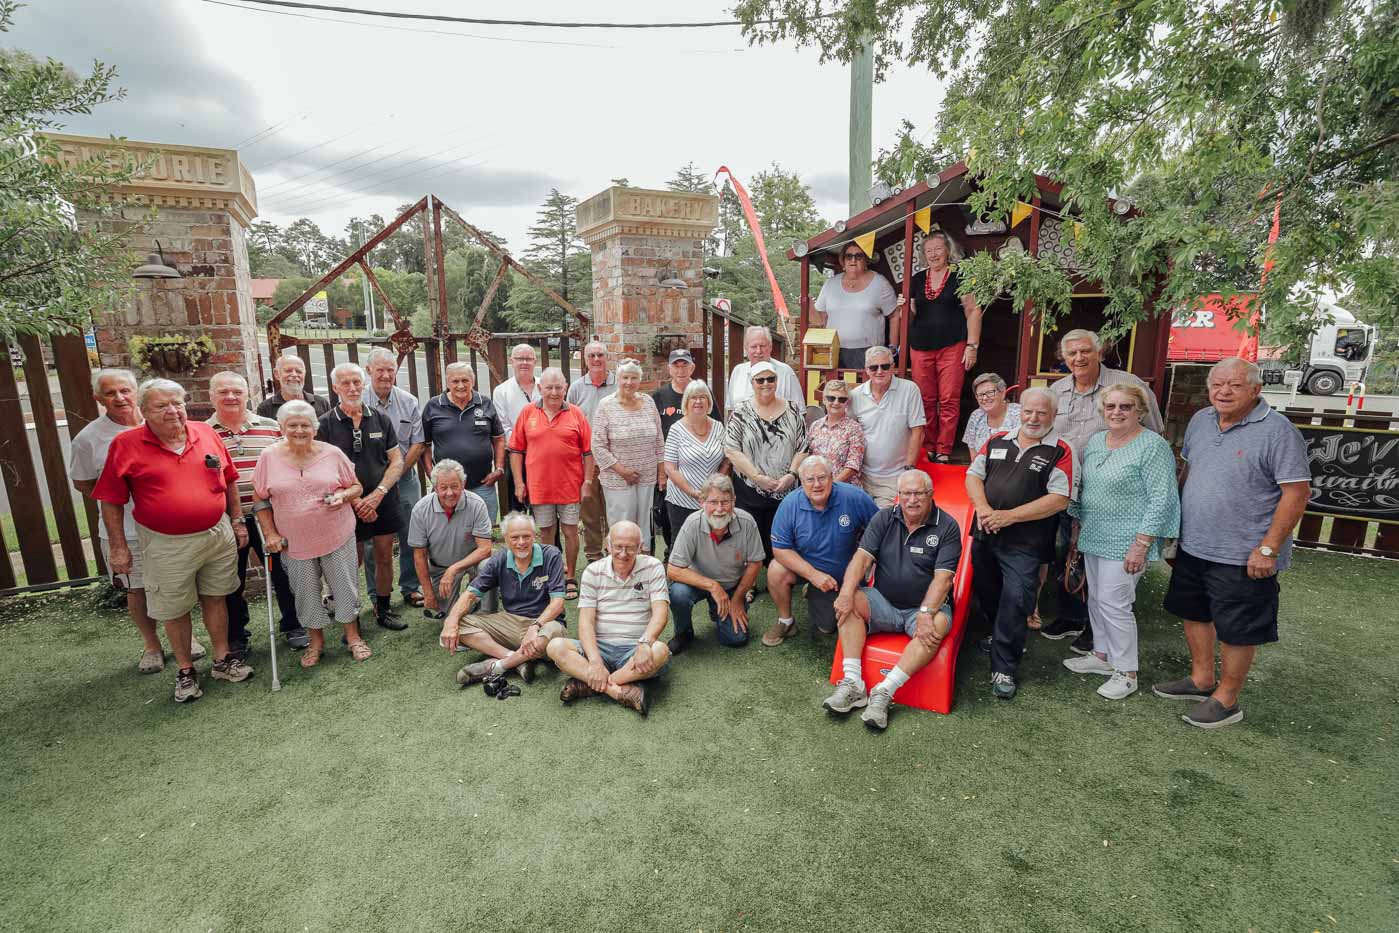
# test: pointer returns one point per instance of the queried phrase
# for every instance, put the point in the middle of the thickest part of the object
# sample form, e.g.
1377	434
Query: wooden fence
1376	537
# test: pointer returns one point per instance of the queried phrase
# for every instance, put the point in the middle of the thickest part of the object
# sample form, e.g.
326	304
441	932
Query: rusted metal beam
491	289
383	295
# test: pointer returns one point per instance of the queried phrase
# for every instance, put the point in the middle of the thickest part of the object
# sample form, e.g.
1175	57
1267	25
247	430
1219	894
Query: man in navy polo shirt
461	424
814	534
914	547
530	579
1247	483
1019	482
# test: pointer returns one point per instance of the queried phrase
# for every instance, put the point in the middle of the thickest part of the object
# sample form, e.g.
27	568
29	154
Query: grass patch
379	797
7	524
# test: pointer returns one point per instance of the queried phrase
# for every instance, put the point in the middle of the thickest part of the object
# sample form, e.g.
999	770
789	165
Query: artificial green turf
378	796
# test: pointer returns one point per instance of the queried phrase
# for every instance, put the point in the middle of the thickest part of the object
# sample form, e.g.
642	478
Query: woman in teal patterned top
1127	503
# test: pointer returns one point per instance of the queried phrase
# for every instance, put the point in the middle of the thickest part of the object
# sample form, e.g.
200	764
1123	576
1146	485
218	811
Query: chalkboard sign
1355	472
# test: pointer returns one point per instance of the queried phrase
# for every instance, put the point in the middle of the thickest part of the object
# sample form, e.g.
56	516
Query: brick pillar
204	200
638	237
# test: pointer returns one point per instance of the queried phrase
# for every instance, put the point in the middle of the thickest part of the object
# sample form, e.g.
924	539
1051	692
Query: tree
556	257
1204	115
53	272
908	161
689	178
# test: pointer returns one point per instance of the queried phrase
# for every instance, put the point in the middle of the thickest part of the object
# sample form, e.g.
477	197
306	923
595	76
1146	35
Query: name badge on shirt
998	453
915	550
377	436
481	423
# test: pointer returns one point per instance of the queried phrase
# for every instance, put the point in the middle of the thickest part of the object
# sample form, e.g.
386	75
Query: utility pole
861	124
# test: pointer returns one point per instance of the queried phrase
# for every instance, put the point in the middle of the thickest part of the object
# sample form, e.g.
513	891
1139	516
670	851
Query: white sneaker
1118	687
1088	664
849	694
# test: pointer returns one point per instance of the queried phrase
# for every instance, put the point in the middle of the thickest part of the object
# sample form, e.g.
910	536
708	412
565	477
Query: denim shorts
615	654
886	617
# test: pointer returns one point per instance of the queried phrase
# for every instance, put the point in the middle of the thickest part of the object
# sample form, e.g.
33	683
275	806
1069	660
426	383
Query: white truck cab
1341	351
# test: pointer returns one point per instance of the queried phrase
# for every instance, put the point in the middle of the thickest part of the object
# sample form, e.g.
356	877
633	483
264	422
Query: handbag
1075	577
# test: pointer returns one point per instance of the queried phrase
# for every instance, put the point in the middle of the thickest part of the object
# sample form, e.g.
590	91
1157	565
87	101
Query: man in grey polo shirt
717	555
1078	419
450	533
405	414
1246	485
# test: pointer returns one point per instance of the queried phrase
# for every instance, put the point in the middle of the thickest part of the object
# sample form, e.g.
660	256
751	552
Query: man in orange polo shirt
184	489
552	445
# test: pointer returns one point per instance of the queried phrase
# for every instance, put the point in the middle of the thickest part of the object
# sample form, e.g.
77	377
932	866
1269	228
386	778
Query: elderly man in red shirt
189	522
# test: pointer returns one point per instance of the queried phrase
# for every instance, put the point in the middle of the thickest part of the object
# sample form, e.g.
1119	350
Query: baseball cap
681	354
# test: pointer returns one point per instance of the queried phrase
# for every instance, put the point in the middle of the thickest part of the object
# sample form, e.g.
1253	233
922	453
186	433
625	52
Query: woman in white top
855	303
694	449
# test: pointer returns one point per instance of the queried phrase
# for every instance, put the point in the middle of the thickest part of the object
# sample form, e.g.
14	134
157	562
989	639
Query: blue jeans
488	495
682	604
408	496
1004	581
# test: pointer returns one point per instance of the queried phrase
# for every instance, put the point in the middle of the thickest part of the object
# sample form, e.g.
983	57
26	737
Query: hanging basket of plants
171	353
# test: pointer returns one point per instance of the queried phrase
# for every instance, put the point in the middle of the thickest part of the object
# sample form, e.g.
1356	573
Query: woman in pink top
627	447
303	495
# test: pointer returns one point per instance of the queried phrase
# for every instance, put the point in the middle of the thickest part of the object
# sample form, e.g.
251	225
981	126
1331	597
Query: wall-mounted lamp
156	267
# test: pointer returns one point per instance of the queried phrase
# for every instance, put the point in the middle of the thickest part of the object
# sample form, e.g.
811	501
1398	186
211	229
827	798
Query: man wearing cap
668	398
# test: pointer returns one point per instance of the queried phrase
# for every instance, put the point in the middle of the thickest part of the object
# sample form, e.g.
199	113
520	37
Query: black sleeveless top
938	322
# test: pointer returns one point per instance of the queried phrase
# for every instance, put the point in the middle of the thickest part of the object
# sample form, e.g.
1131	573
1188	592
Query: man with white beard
717	555
1019	482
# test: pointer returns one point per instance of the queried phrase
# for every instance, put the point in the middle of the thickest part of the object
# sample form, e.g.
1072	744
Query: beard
719	522
1035	433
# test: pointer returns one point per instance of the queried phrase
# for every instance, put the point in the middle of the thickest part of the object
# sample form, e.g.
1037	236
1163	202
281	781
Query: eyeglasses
878	367
837	398
764	380
987	396
1119	406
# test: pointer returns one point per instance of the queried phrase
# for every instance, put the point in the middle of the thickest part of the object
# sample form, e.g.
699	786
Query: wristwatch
1267	551
925	609
381	489
973	346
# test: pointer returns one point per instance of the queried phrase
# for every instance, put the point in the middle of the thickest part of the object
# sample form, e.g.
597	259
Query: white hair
629	366
623	526
1040	392
523	346
815	460
228	374
874	352
296	408
594	343
756	329
1251	370
125	375
445	466
157	385
513	517
553	371
349	368
1080	333
924	479
288	358
717	482
460	367
381	355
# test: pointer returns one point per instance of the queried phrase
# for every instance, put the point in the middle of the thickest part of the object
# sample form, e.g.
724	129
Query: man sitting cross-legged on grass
621	609
814	535
530	578
717	555
914	547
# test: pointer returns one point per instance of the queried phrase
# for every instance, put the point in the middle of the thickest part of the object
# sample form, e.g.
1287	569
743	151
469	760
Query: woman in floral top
1127	503
838	437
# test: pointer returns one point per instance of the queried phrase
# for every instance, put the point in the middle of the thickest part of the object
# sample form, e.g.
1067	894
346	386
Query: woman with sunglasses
1127	504
765	441
838	437
855	303
943	337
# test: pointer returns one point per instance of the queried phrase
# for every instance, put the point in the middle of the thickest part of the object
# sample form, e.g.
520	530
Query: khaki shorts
181	568
882	489
506	628
549	514
125	581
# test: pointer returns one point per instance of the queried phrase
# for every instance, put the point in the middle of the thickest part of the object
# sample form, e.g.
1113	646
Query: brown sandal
360	651
310	657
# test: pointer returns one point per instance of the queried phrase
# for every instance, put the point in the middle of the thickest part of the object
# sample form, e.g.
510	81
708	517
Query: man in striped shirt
622	608
245	436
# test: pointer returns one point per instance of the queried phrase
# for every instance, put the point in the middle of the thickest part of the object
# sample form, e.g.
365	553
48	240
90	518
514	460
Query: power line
542	24
293	196
301	204
379	189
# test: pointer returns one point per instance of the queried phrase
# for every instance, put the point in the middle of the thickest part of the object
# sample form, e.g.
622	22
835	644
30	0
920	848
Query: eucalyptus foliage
1203	113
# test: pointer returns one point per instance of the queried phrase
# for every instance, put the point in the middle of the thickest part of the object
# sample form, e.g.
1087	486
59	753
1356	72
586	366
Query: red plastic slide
930	688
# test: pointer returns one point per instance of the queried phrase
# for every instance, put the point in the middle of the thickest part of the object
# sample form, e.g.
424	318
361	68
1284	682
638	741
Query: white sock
785	622
893	681
851	666
497	667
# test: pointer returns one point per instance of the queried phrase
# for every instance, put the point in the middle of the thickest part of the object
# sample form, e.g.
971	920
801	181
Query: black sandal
570	590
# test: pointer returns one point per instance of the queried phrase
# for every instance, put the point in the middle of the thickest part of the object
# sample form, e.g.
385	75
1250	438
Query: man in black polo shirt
914	547
668	399
461	424
368	439
1019	482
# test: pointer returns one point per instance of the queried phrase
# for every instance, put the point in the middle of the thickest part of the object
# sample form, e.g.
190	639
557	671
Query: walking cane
271	633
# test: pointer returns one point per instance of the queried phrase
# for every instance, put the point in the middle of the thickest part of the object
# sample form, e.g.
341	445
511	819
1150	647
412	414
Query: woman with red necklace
943	336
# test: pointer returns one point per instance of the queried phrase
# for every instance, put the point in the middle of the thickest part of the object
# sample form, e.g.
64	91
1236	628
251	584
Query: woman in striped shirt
627	445
694	449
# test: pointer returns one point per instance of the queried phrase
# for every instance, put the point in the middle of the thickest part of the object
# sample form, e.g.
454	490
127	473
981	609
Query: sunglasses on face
849	256
1119	406
837	398
764	380
879	367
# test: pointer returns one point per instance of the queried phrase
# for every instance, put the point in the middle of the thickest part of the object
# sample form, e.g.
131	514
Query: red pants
939	375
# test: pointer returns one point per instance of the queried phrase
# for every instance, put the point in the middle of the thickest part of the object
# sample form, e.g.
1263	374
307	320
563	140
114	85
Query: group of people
1074	480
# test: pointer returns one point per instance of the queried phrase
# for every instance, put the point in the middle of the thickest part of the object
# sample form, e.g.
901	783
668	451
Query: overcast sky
337	119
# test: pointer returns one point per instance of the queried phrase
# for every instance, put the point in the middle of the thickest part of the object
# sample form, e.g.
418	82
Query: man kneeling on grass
914	547
621	610
530	578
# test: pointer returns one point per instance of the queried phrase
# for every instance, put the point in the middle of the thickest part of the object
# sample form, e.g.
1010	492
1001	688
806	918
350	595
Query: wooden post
51	457
80	409
22	483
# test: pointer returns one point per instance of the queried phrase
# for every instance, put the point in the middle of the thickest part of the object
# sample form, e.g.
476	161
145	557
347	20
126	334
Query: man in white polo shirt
622	608
757	347
510	398
890	410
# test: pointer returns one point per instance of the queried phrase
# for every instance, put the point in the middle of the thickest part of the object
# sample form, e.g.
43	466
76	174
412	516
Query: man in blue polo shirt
530	579
814	534
913	547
